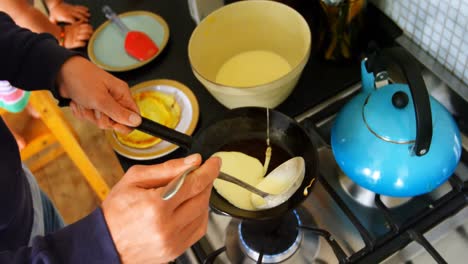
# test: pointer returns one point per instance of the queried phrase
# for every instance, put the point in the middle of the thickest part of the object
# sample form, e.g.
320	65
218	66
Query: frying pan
245	129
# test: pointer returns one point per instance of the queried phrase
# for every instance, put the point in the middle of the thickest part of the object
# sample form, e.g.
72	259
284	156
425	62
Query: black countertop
319	81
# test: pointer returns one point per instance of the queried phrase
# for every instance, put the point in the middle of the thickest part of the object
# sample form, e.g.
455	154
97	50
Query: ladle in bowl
282	183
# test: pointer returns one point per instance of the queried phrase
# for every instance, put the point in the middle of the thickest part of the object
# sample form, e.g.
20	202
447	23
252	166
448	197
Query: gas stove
341	222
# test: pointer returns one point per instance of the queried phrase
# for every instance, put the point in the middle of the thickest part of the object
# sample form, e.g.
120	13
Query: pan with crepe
244	130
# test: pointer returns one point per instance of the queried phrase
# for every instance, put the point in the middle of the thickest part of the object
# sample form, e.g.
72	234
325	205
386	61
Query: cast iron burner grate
282	240
276	239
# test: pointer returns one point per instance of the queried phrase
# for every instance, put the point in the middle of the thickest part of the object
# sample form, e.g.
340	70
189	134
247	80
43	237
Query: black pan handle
171	135
379	61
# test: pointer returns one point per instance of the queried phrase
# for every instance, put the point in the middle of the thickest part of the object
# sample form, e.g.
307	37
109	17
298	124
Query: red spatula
137	44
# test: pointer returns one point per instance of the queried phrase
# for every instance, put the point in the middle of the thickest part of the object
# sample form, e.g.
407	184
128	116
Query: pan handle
171	135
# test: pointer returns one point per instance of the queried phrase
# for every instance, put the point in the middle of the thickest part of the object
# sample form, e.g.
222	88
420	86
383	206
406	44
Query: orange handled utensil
137	44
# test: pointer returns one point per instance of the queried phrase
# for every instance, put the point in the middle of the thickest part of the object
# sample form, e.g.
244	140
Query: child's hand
76	35
63	12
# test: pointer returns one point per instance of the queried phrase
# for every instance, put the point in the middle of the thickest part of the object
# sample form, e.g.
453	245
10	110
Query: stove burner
278	240
366	197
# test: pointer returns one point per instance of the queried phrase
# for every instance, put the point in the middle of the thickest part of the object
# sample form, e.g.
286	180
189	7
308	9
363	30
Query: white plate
188	119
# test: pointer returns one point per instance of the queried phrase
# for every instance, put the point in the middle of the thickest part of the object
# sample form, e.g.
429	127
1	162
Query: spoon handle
111	15
229	178
173	187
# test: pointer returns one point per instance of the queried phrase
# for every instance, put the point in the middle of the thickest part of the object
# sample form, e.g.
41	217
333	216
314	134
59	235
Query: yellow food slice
243	167
157	106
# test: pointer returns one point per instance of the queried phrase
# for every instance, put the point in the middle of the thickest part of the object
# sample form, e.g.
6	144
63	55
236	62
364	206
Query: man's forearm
24	53
85	241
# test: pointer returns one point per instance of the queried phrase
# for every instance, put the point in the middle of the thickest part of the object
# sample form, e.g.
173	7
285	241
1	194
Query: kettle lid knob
400	99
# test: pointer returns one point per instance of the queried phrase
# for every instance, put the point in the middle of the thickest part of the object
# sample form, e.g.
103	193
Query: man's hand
147	229
97	95
63	12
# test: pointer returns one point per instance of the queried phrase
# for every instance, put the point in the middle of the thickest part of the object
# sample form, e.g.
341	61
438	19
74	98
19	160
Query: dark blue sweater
32	61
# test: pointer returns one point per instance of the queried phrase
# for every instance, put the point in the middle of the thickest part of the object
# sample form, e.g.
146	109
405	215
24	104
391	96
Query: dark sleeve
29	61
86	241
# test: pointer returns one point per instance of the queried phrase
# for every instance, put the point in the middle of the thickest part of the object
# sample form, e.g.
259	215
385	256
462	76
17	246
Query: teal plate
106	46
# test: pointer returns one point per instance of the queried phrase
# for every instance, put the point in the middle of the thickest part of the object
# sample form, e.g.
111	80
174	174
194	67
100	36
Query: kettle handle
378	62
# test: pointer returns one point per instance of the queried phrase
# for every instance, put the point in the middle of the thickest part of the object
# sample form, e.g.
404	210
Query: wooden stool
58	138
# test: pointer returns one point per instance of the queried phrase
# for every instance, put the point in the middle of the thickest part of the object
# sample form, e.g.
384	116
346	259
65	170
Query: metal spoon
282	182
174	186
289	175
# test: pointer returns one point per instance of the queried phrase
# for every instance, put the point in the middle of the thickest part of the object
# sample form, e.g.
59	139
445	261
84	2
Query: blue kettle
393	138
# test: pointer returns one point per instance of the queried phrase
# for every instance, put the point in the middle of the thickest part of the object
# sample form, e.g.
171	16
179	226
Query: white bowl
247	26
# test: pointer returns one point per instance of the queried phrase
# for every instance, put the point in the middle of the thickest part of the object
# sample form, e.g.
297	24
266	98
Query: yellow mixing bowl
247	26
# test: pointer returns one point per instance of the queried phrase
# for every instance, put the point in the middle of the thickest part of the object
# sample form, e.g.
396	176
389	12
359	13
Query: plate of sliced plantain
167	102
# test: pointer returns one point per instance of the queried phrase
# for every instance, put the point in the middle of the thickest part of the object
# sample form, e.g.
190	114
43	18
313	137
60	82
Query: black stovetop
320	79
355	233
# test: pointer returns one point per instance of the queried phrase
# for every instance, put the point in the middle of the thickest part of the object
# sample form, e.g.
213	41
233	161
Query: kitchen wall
440	27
